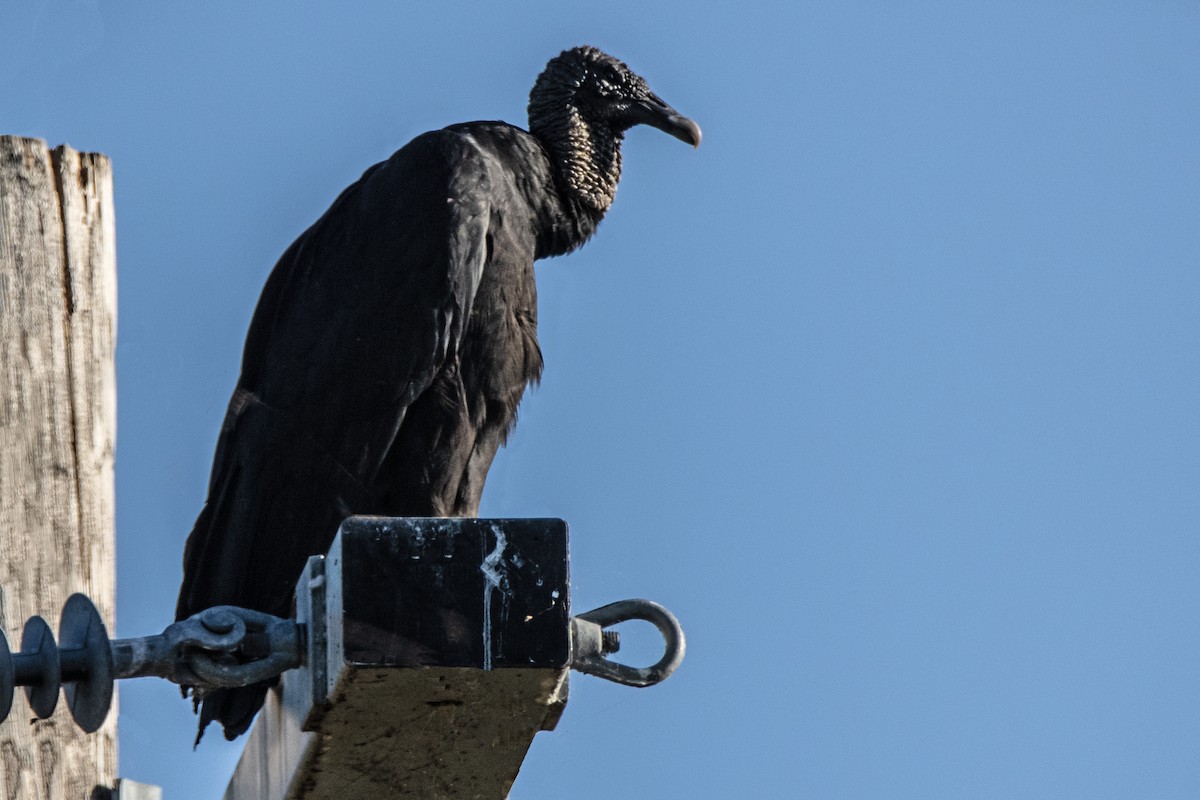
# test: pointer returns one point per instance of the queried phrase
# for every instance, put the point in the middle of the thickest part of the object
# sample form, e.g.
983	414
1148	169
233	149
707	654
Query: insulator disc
82	628
37	640
7	677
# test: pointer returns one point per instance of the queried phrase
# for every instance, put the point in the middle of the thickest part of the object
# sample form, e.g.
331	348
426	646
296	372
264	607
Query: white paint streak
493	579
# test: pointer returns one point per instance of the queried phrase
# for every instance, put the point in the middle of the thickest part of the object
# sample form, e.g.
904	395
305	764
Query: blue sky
889	390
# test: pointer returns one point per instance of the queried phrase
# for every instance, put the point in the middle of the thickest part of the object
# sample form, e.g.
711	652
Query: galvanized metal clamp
227	646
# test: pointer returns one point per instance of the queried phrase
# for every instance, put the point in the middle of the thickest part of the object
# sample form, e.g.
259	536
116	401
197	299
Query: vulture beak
654	112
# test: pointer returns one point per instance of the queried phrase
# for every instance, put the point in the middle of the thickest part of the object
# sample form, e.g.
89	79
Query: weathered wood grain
57	430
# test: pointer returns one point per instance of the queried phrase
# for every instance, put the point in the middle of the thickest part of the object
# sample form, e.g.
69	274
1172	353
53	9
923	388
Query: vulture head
580	107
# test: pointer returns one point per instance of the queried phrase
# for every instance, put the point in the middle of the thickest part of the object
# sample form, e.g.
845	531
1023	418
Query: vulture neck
588	158
586	161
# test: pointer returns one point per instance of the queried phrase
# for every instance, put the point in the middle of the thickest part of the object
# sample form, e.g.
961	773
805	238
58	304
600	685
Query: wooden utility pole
57	430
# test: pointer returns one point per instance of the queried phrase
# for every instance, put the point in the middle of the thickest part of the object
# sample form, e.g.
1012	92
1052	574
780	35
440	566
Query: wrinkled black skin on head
394	339
580	108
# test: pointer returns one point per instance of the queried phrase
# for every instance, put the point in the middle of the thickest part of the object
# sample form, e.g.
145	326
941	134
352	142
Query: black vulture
395	337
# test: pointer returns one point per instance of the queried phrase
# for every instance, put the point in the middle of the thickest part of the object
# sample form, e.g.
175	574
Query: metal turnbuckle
590	642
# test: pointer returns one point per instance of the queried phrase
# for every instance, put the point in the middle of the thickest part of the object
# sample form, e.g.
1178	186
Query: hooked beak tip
682	128
657	114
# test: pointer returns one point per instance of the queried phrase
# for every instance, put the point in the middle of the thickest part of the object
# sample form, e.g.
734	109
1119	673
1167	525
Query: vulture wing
355	321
